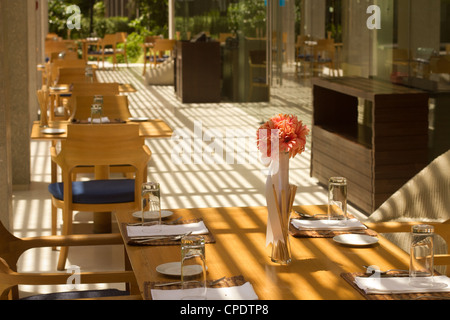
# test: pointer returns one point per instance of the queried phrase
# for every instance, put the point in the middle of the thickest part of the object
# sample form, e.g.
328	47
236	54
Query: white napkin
393	285
167	230
244	292
350	224
97	120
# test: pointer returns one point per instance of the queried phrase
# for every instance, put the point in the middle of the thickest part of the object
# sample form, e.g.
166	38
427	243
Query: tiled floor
193	183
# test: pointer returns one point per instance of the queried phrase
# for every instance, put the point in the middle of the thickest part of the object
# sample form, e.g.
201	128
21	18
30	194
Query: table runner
209	237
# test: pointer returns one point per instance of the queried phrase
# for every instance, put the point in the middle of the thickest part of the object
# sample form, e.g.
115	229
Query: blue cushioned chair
100	146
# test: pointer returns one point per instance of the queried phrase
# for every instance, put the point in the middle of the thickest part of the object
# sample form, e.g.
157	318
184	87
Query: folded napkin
398	285
350	224
97	120
167	230
243	292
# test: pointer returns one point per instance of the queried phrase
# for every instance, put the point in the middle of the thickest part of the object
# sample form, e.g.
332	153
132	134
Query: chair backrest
425	196
108	144
63	63
108	40
91	89
151	39
54	46
114	107
72	75
121	37
257	57
162	45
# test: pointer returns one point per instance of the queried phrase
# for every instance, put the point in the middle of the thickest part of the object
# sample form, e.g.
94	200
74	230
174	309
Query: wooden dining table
316	272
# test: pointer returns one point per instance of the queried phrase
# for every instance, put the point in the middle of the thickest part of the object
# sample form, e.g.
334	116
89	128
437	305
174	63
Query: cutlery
153	238
153	222
211	283
309	216
385	272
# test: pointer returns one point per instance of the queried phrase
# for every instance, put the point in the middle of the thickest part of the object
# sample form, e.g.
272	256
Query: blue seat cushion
97	191
70	295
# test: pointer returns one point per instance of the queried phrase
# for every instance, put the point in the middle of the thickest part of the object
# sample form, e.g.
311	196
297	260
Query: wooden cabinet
198	70
377	150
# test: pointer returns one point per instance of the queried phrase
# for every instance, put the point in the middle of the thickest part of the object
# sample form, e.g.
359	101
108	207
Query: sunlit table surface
152	128
240	249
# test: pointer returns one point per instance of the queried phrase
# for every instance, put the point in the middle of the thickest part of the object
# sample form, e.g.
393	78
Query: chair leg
66	230
54	222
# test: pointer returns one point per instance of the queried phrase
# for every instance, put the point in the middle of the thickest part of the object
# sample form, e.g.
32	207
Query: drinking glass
421	266
151	200
337	198
193	268
96	112
98	99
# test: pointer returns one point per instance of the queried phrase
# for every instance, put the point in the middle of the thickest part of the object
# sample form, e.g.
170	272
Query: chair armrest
71	240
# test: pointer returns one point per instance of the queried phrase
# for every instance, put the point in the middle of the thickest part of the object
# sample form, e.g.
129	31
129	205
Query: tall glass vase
279	201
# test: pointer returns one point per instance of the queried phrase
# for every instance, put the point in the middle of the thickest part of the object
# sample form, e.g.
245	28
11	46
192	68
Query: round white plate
355	239
59	88
53	131
174	269
152	215
138	119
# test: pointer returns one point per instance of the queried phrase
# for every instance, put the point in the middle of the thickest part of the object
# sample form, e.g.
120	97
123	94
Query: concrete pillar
21	59
313	15
5	127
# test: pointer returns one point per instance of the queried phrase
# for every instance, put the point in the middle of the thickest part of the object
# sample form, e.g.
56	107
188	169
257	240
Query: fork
211	283
173	238
385	272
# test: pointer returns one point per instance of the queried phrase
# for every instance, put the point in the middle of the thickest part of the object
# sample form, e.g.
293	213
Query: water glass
96	112
421	266
98	99
193	268
151	201
337	198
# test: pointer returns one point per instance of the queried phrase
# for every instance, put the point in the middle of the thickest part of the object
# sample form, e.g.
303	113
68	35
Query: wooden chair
115	107
423	199
72	75
257	71
323	55
161	51
105	47
101	146
121	39
302	54
440	64
91	89
58	64
11	248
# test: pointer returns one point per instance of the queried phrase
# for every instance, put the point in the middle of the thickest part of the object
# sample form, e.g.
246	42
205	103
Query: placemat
293	231
350	278
225	283
111	121
209	237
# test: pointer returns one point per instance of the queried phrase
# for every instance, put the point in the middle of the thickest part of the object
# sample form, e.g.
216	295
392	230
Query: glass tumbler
96	112
151	201
193	268
421	267
337	198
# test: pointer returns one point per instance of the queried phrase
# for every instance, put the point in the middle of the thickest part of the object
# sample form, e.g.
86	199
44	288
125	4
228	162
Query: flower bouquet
282	137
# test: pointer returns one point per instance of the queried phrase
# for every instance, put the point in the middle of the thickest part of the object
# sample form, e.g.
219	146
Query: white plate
59	88
355	239
53	131
138	119
174	269
152	215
